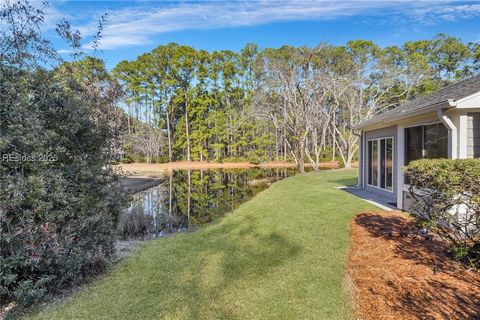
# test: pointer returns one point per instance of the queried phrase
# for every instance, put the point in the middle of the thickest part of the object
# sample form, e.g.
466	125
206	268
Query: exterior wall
361	160
396	130
400	163
473	135
464	140
468	109
380	133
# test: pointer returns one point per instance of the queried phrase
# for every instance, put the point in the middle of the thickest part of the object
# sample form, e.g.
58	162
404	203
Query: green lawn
279	256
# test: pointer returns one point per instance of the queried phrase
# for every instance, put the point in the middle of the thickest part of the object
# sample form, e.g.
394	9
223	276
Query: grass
281	255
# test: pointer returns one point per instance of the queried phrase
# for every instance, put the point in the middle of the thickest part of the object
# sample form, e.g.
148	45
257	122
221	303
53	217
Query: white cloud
52	15
442	12
137	25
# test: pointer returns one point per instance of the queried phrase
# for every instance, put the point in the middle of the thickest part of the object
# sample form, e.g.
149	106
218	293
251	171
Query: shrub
446	198
59	198
134	224
57	215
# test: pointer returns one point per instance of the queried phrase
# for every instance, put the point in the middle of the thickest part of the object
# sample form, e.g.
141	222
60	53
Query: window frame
379	165
423	124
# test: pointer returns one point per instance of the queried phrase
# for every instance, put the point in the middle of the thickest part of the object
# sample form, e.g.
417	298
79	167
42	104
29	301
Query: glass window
383	158
435	141
375	163
389	165
430	142
413	144
380	163
370	162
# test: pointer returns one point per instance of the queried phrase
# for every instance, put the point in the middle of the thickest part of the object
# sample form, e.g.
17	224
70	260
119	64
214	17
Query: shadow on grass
349	182
449	290
229	254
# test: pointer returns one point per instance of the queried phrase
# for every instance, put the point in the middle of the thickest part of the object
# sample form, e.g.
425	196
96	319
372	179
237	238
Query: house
444	124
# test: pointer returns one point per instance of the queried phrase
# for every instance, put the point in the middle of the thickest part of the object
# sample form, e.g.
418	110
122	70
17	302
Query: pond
187	199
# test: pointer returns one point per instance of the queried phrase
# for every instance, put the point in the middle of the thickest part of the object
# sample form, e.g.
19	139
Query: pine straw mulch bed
398	274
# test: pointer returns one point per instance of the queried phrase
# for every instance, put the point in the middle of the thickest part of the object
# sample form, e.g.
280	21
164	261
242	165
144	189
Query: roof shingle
456	91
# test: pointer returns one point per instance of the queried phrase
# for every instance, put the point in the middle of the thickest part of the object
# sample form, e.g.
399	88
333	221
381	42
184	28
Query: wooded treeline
290	103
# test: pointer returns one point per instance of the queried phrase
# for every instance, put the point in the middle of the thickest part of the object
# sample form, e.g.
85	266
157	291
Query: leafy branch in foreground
58	132
446	198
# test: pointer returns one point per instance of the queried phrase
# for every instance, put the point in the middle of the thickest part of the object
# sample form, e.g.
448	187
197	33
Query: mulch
395	273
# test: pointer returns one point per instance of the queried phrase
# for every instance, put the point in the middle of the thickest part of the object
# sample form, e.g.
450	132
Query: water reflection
190	198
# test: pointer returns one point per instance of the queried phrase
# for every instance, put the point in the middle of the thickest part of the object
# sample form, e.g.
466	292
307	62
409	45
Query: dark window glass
413	144
375	163
383	160
436	141
389	164
380	162
430	142
370	148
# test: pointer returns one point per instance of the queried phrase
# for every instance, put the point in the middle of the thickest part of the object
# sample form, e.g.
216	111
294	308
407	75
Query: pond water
187	199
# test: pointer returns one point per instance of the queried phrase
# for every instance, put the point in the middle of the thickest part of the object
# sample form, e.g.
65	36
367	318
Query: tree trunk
300	161
128	118
169	134
277	147
300	166
187	133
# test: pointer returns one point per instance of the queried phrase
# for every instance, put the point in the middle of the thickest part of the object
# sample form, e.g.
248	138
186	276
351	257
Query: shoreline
154	169
142	176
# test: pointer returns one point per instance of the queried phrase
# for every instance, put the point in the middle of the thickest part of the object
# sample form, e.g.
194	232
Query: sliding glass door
380	163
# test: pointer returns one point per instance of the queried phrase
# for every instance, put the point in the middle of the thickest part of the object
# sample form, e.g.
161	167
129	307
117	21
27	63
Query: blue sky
134	27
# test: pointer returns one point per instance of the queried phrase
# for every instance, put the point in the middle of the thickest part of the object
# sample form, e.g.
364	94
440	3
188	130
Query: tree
296	94
60	198
377	80
288	103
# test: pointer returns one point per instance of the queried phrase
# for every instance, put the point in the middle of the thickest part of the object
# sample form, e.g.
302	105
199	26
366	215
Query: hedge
446	198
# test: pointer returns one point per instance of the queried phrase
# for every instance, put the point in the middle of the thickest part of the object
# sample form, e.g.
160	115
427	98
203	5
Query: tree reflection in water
189	198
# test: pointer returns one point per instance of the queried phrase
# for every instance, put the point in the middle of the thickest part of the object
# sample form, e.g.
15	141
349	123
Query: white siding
473	135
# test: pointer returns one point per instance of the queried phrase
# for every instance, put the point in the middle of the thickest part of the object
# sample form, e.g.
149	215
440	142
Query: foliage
201	100
59	201
288	103
446	196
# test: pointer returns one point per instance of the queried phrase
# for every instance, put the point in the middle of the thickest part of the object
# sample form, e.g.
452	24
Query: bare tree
149	144
295	95
373	84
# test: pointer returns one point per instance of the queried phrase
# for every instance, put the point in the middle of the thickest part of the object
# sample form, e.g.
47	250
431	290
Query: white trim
379	161
462	135
452	134
393	119
400	164
467	103
364	182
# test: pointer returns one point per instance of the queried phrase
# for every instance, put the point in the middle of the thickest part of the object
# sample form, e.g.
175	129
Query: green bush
59	198
446	197
57	217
